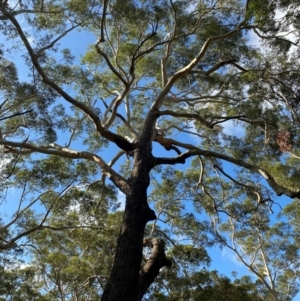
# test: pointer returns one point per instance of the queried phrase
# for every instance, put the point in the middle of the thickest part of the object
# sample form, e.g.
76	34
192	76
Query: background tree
159	71
269	250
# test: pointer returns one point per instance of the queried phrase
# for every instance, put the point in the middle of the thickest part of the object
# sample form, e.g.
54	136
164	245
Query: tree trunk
274	295
123	283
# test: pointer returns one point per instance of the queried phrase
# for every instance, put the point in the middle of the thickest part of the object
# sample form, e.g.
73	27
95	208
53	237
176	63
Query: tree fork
155	262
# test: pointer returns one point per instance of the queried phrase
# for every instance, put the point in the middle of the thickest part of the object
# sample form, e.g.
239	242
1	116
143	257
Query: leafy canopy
84	84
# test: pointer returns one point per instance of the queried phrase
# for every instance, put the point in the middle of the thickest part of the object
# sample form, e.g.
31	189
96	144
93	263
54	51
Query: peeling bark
156	261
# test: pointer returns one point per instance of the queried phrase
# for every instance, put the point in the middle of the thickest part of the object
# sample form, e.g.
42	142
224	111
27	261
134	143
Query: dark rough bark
123	283
156	261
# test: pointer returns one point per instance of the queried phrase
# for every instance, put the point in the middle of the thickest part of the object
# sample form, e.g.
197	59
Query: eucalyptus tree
269	250
157	72
74	265
188	280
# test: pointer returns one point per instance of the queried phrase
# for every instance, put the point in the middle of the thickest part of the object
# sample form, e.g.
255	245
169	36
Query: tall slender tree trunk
123	283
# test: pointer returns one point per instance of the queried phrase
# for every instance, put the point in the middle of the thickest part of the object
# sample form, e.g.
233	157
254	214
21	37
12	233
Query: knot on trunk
154	263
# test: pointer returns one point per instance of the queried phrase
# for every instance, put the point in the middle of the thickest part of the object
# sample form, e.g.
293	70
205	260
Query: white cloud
191	8
230	128
196	138
229	256
14	3
253	39
31	40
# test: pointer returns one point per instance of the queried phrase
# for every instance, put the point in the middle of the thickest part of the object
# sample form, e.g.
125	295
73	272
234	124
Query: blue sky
222	260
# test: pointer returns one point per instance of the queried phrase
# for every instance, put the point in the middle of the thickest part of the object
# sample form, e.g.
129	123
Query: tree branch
218	66
126	122
16	114
51	44
156	261
119	140
111	67
279	189
113	108
242	259
187	115
134	59
159	100
249	187
172	161
255	29
30	11
103	20
57	150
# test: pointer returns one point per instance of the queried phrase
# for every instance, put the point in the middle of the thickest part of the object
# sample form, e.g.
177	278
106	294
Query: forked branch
119	140
194	151
56	150
154	263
